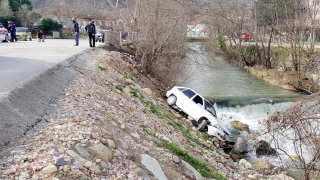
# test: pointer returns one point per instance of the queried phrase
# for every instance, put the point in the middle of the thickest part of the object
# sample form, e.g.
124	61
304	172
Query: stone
60	162
101	151
49	169
55	178
251	136
126	91
281	177
135	135
176	159
10	171
76	156
82	151
96	169
142	173
88	164
295	157
240	126
262	165
148	91
241	146
153	166
78	164
245	164
196	174
263	148
255	176
111	144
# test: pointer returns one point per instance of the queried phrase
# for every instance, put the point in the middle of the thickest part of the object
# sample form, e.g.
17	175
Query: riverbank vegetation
284	39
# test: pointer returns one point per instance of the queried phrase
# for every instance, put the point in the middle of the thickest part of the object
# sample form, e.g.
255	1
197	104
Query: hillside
113	123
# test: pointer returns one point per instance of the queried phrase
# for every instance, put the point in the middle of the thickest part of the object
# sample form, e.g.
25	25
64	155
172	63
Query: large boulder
239	149
263	148
262	165
101	151
240	126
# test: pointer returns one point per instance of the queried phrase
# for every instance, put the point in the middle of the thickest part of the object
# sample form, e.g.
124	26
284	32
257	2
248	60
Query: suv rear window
189	93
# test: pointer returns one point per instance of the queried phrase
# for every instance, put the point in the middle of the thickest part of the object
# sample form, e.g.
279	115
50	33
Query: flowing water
238	94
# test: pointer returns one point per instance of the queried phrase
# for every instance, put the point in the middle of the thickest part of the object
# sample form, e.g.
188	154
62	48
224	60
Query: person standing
76	31
12	29
91	29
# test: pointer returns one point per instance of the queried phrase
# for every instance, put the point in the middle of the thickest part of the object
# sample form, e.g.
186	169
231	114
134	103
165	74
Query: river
238	94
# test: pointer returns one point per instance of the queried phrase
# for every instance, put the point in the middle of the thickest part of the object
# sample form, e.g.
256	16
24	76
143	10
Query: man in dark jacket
12	29
91	29
76	31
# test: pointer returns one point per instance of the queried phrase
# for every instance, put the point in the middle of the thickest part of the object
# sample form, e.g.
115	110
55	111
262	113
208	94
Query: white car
199	109
3	33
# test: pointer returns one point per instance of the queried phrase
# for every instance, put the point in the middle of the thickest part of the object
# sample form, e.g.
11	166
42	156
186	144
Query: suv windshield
21	29
209	107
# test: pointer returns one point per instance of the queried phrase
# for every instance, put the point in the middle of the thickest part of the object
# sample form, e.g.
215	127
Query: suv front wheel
203	125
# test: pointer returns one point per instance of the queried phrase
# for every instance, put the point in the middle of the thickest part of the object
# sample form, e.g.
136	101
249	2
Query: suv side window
198	100
189	93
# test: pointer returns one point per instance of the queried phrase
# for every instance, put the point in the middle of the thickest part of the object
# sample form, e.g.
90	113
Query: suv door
197	107
185	101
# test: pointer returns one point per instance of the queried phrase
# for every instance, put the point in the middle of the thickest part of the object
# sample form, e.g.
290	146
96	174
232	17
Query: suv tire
203	125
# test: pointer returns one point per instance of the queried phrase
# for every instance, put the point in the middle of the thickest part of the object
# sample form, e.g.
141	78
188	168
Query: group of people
91	30
12	31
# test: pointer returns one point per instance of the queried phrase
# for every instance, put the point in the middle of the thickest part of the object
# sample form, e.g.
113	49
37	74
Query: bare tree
299	125
5	8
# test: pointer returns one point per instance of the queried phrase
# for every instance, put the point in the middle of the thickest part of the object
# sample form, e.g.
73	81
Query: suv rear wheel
172	99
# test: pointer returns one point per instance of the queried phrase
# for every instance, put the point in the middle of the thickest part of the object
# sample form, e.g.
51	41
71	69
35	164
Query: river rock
49	169
244	164
142	173
148	91
281	177
60	162
101	151
153	166
76	156
240	126
262	165
83	152
241	146
126	91
263	148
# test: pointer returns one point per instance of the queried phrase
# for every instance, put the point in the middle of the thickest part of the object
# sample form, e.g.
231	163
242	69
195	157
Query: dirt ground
288	80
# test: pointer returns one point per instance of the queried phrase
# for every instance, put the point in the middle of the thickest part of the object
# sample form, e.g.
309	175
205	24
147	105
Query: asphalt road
23	60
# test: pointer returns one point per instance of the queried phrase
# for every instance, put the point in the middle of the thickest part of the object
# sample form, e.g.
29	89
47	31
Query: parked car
99	36
246	37
199	109
23	34
3	33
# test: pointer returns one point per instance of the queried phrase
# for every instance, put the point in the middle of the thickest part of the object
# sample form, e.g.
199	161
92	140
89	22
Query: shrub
48	25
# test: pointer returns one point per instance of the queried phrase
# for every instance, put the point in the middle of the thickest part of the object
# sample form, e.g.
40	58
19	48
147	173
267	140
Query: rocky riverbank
113	123
289	80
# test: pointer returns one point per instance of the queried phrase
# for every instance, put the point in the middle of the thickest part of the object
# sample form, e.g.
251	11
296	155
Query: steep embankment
113	123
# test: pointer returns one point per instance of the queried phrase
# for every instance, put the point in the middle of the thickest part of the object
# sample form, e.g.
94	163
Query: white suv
3	34
199	109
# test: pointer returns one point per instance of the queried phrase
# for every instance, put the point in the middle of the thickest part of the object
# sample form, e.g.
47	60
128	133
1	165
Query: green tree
16	4
48	25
